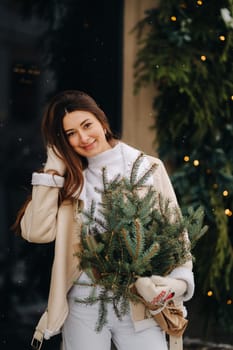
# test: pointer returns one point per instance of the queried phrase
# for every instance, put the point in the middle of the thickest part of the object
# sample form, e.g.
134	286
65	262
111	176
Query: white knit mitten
54	162
177	287
158	290
156	296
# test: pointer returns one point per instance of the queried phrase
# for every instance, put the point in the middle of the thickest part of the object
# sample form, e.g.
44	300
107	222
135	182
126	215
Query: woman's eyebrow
84	122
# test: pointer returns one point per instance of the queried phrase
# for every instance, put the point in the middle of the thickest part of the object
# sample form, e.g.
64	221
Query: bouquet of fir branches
138	233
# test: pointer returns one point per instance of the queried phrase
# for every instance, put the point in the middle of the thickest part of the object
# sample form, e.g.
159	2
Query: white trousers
79	330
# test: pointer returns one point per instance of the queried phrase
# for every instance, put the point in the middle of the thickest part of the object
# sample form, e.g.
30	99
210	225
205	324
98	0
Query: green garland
140	235
185	50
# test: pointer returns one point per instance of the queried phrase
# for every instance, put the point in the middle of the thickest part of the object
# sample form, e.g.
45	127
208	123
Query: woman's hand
54	164
177	286
159	290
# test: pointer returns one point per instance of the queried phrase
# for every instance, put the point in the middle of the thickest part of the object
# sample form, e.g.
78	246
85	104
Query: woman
79	144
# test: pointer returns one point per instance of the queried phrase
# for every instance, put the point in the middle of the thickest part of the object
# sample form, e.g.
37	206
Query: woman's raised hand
54	163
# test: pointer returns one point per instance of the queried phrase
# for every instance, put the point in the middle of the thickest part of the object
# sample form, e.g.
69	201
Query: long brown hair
53	134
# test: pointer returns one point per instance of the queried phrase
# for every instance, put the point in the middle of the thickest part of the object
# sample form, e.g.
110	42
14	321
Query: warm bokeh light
173	18
210	293
222	38
228	212
225	193
196	162
203	58
186	158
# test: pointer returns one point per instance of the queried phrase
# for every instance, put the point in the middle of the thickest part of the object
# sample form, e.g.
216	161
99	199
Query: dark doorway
86	53
79	46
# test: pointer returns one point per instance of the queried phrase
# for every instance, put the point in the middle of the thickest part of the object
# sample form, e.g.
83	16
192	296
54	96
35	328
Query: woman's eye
70	134
87	125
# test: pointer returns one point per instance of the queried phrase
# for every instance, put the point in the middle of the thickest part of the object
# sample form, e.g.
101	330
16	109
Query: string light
199	2
210	293
225	193
19	70
203	58
229	302
222	38
196	162
186	158
232	97
173	18
228	212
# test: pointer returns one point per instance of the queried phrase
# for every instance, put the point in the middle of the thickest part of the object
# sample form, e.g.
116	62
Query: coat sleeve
39	221
184	273
163	183
164	186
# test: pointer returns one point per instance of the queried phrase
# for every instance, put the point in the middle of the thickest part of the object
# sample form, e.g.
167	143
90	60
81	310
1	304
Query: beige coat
44	221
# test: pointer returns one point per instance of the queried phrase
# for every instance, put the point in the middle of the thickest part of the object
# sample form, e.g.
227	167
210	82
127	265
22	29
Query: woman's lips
89	146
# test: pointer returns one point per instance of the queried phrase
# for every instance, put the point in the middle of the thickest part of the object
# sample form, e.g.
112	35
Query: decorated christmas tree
136	233
186	51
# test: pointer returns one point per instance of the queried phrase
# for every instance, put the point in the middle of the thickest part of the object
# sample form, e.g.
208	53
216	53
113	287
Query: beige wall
137	113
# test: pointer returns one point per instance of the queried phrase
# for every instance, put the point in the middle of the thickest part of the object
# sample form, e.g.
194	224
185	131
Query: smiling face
85	133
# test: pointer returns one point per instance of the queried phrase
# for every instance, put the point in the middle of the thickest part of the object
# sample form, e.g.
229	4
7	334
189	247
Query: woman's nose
83	136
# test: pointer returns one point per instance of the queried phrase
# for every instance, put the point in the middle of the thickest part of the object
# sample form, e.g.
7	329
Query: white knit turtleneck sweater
117	161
